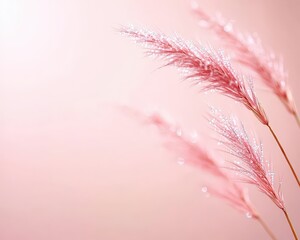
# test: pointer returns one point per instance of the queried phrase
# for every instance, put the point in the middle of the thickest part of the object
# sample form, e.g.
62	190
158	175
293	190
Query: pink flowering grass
199	64
195	153
250	167
249	51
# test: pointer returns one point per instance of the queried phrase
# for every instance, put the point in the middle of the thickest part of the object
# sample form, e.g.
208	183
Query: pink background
73	167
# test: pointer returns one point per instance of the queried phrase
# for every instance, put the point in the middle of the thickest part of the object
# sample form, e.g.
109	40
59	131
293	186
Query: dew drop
282	84
204	189
179	132
248	215
250	40
237	162
228	27
180	161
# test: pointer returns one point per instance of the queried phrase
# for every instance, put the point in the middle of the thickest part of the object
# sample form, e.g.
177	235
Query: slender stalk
266	228
290	223
286	157
297	119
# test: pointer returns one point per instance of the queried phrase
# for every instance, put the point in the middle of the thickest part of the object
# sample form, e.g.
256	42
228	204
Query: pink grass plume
250	166
195	153
199	64
249	51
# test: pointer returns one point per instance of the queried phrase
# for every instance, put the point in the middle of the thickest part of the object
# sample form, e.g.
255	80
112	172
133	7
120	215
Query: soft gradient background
72	167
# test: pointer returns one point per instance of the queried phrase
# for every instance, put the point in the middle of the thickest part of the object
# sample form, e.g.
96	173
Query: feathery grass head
197	154
250	166
200	65
249	51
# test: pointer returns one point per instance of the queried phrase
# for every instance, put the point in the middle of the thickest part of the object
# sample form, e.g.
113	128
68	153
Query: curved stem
286	157
290	223
266	228
297	119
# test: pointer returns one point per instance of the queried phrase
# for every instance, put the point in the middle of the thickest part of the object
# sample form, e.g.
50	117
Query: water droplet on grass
228	27
204	189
